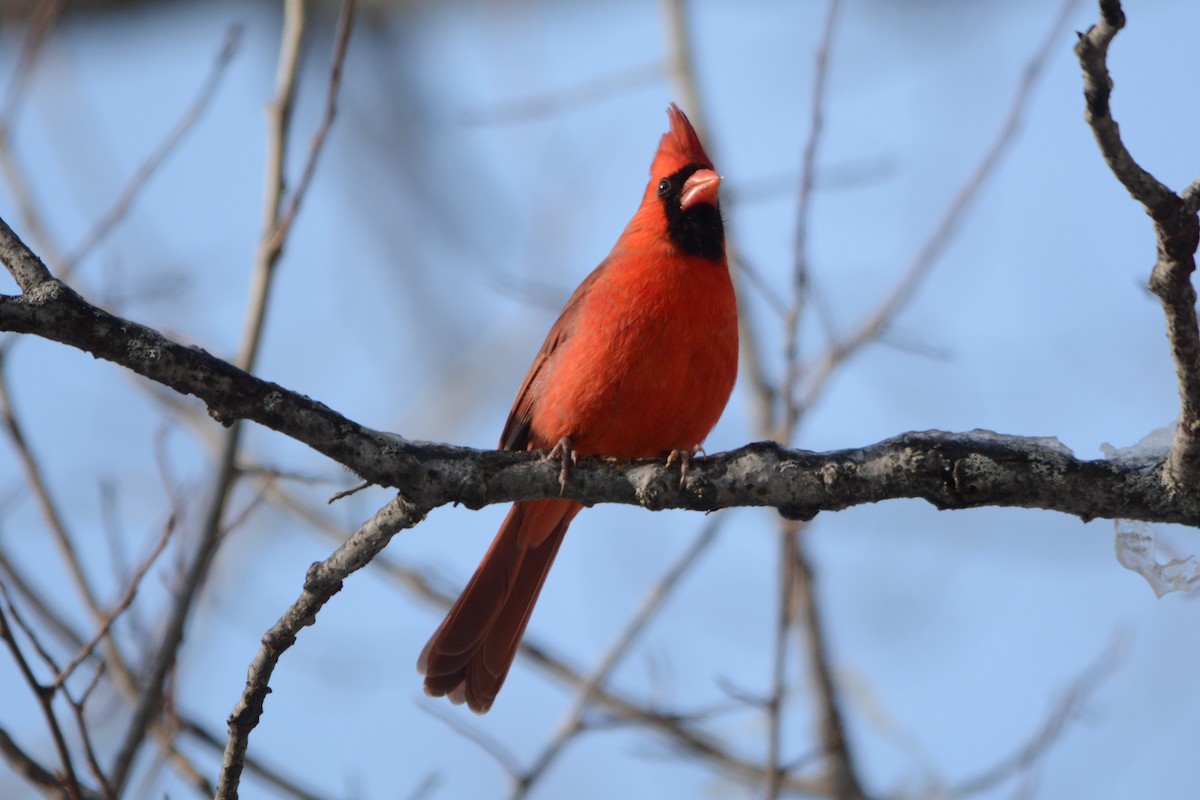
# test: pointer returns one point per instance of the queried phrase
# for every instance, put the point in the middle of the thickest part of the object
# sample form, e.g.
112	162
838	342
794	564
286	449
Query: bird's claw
684	457
565	451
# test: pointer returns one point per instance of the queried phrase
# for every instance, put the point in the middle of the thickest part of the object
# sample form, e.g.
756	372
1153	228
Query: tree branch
948	470
323	581
1177	230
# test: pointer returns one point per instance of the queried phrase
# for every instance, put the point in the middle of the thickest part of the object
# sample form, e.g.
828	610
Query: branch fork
1177	231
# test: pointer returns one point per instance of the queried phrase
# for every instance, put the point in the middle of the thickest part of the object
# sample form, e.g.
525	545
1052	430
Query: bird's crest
679	146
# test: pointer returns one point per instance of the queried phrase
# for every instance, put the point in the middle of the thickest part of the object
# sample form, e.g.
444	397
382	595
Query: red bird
639	364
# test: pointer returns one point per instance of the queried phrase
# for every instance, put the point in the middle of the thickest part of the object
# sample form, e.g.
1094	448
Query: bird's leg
565	451
684	457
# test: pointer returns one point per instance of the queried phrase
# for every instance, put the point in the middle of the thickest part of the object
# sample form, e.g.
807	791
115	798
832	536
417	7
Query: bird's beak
701	187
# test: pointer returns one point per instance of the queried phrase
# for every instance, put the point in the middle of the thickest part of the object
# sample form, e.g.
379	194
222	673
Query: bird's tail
469	655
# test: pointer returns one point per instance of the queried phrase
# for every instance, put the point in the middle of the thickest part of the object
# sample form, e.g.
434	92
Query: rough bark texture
949	470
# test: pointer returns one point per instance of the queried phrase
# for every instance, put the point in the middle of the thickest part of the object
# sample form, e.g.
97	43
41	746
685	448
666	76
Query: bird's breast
649	363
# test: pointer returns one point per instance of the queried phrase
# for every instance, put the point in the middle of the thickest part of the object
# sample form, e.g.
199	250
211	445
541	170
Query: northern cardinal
639	364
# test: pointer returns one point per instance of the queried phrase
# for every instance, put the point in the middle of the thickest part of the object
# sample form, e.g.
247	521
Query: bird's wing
520	418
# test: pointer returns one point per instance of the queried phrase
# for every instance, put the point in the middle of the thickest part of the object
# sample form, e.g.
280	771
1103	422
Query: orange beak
701	187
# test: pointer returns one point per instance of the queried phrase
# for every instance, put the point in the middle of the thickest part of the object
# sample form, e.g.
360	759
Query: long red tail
469	655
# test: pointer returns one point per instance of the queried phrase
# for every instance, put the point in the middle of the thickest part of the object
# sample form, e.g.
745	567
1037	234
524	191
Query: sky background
440	237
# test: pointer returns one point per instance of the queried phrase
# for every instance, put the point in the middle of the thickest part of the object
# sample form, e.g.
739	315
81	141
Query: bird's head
684	185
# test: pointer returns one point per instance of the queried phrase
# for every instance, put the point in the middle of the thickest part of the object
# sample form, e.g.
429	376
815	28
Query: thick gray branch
948	470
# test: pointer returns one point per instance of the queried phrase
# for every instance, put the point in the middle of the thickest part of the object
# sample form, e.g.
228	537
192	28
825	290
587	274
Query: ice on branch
984	436
1136	551
1154	446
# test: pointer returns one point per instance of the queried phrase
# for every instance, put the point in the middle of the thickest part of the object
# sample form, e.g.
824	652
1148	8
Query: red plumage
640	363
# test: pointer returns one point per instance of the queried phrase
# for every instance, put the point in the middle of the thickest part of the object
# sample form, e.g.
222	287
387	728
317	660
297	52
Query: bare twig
30	215
41	23
341	40
573	722
801	267
526	108
116	670
225	473
263	771
841	772
33	600
24	765
124	603
194	112
85	737
1092	50
1177	230
69	782
1068	707
789	543
324	580
929	252
496	749
35	477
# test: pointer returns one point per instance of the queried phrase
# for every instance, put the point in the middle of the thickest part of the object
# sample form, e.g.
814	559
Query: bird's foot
565	451
684	457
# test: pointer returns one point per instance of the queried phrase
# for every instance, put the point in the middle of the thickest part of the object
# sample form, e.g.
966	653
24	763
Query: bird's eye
664	186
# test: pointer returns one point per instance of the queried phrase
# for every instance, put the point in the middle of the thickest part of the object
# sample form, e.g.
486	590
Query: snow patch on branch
1154	446
983	435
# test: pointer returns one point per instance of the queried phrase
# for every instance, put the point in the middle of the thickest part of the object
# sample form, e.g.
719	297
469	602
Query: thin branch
118	673
587	91
801	268
496	749
279	115
24	765
265	772
1068	708
1177	230
324	580
841	772
341	40
85	737
124	603
674	727
929	252
111	218
38	485
33	600
1092	50
45	17
69	782
788	543
273	235
573	722
42	21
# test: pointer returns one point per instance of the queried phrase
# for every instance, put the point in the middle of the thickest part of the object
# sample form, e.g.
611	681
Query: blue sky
434	251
